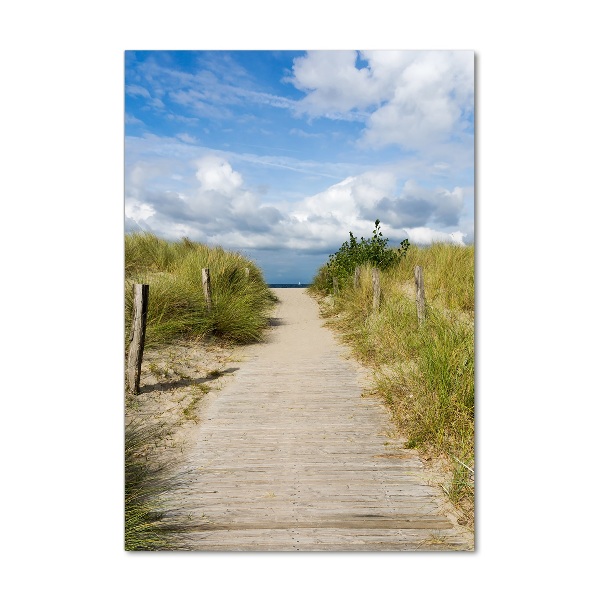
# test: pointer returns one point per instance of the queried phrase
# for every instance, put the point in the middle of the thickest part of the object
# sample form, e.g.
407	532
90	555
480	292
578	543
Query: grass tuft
177	307
146	481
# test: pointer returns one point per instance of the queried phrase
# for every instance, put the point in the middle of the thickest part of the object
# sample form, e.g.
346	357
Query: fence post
336	287
247	273
137	336
207	289
420	294
376	289
356	277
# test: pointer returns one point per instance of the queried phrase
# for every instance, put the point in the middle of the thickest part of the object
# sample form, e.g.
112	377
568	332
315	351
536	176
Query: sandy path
291	456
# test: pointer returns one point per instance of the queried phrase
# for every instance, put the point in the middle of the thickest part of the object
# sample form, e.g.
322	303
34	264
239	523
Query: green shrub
373	251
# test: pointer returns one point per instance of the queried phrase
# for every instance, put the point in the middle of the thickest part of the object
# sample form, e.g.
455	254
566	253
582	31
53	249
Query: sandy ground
176	381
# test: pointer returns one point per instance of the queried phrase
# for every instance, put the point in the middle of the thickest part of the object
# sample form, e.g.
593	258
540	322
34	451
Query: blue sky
280	154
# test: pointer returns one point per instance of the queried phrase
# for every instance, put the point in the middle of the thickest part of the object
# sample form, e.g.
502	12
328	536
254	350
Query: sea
289	285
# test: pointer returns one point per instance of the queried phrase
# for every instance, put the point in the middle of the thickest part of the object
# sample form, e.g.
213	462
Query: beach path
292	455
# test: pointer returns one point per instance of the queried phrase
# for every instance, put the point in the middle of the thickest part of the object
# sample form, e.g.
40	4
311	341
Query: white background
537	130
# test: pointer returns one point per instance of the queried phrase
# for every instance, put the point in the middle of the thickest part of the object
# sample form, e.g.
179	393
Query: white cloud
356	202
333	84
138	211
215	173
425	236
346	199
208	200
415	98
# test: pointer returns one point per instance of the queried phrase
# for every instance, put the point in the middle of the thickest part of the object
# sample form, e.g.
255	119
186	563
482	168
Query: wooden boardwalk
291	456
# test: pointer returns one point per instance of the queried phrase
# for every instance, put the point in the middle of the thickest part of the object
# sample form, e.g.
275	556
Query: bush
374	252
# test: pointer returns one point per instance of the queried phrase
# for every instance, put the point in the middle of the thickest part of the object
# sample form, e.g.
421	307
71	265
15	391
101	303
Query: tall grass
147	479
177	310
177	307
425	373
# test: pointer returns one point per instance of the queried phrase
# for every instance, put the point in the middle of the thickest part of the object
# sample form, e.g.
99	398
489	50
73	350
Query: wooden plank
370	524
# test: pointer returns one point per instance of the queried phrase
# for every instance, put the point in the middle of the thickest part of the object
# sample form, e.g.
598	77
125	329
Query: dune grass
426	374
177	307
146	481
177	311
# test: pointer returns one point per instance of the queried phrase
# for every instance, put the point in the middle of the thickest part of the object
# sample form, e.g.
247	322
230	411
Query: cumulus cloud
416	205
348	198
210	202
413	99
356	202
213	206
334	86
215	173
138	211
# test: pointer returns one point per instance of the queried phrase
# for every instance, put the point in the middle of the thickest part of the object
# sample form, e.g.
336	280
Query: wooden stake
420	294
137	336
356	277
247	273
376	289
207	288
336	287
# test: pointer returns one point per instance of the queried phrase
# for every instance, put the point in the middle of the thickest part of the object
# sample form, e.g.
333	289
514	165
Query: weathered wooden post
356	277
336	287
207	289
420	294
247	273
137	336
376	289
